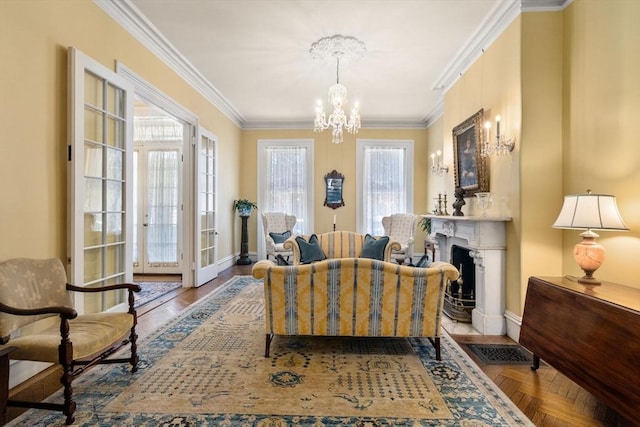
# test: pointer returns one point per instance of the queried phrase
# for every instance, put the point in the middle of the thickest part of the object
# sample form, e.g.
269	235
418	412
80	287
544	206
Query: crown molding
544	5
308	124
133	21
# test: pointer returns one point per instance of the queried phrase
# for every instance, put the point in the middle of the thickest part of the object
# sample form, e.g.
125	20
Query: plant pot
245	211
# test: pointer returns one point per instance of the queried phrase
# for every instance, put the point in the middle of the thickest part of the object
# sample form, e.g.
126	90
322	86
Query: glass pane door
99	166
206	221
158	140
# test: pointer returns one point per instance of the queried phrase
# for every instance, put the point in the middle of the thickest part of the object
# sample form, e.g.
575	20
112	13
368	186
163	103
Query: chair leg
267	344
134	350
435	341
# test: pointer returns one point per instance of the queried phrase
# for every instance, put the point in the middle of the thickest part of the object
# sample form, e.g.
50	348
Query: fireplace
483	239
460	296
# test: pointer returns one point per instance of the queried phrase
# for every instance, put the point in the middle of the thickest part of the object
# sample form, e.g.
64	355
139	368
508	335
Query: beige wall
327	157
493	83
601	150
34	36
565	83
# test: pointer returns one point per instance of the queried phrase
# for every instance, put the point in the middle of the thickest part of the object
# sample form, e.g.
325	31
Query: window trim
262	145
361	146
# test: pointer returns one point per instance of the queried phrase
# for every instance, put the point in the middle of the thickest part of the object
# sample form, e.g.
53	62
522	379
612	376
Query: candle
433	160
498	127
334	220
487	127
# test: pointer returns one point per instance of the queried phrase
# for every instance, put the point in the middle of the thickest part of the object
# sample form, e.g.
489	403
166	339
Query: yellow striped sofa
338	244
357	297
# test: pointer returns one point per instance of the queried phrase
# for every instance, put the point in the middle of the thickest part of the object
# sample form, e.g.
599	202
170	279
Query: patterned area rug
154	290
206	367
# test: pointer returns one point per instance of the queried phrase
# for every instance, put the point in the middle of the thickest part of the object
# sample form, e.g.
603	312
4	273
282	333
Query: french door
207	201
157	242
99	180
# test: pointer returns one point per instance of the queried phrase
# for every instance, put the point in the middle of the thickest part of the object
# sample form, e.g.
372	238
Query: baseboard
513	325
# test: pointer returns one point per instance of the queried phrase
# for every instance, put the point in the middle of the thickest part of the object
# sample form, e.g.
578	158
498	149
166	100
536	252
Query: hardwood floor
546	397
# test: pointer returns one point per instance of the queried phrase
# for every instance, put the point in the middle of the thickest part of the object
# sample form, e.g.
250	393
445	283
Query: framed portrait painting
471	170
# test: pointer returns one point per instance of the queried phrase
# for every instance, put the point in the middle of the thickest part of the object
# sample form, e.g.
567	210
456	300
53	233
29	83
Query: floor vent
501	354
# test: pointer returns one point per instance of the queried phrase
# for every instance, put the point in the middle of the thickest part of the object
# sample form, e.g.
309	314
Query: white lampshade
590	211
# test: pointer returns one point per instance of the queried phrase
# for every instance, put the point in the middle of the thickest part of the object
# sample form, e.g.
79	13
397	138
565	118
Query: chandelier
338	47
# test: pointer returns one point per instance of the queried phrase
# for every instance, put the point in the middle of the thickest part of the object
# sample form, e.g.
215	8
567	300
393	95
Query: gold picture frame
470	168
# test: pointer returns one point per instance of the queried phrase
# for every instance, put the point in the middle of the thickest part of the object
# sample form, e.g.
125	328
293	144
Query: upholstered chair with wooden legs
278	227
401	228
32	290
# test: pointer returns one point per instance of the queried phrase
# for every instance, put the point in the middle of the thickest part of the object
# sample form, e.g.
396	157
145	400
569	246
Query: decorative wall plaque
333	182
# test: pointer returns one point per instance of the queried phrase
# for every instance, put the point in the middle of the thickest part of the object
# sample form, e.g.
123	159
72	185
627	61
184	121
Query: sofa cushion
310	251
280	237
374	248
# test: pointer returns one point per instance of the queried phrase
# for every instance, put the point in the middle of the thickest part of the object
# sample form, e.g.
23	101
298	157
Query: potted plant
425	225
244	207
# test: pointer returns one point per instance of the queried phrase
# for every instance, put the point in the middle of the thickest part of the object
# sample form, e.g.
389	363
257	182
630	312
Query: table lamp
588	212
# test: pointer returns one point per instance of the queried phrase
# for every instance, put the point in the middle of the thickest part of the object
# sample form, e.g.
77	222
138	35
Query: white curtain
287	183
162	207
384	186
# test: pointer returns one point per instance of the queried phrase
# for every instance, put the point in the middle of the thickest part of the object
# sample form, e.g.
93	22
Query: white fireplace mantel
485	237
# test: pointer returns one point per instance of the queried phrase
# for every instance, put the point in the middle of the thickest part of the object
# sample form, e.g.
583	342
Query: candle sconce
501	146
437	167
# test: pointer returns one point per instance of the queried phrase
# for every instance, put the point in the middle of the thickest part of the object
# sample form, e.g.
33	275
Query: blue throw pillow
280	237
374	248
310	251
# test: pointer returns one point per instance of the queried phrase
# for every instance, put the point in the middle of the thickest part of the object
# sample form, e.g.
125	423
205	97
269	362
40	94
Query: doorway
159	138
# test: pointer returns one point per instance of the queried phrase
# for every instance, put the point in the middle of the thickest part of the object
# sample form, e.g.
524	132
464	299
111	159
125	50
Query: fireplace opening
460	296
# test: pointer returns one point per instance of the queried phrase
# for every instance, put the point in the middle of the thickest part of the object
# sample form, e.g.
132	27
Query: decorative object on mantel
485	201
437	167
440	205
244	208
459	203
471	170
337	47
501	146
589	211
333	198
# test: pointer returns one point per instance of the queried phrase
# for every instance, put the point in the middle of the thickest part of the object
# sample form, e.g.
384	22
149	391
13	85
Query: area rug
154	290
206	368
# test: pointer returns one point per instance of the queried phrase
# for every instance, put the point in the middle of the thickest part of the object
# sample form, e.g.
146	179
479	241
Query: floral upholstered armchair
278	227
32	290
400	228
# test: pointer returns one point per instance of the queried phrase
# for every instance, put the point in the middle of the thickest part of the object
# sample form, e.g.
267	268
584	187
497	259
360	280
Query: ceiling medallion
337	47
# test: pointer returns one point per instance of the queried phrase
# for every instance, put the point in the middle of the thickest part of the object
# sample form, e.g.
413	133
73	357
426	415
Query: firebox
460	296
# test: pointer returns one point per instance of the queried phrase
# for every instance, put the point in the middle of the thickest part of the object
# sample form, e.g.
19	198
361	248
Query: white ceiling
251	57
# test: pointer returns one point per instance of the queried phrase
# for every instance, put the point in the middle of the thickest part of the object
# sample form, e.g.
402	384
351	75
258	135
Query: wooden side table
430	245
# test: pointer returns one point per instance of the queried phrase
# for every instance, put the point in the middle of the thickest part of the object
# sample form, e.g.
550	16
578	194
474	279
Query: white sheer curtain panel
162	186
384	190
287	183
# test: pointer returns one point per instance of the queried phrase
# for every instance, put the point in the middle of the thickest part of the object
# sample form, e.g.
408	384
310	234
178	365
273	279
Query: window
384	169
285	182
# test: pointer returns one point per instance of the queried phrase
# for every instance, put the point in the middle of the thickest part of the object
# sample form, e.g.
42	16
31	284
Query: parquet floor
546	396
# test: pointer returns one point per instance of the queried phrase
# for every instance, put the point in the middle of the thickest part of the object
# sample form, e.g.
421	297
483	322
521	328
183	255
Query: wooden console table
589	333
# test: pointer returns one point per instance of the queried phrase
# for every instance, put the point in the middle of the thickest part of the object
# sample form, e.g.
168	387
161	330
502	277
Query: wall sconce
437	168
502	145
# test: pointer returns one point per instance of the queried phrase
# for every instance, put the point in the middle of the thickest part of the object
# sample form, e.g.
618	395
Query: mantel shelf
469	218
